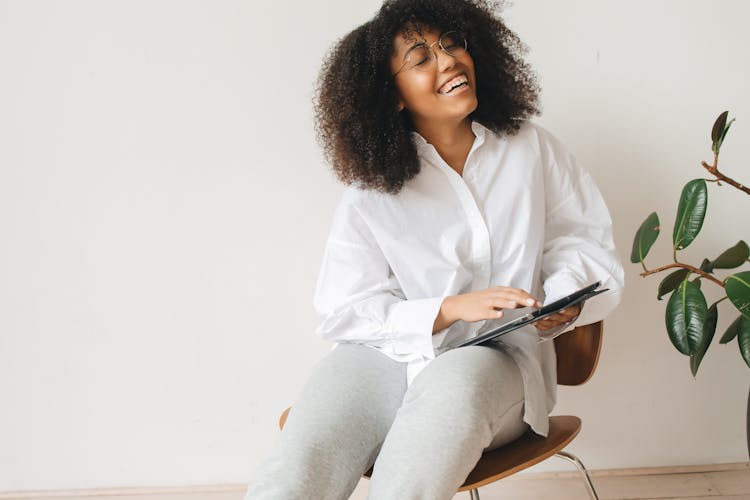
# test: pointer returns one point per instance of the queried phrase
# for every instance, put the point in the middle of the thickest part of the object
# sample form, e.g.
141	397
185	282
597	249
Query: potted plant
690	320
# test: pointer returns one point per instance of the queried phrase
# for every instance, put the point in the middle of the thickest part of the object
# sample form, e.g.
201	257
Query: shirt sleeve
578	245
360	299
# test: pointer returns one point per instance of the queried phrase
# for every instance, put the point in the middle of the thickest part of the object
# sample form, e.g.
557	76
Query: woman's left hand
559	319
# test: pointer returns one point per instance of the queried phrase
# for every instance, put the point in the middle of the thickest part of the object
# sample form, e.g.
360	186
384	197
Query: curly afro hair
364	136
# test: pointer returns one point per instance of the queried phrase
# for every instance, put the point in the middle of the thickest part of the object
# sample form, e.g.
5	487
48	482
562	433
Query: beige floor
732	483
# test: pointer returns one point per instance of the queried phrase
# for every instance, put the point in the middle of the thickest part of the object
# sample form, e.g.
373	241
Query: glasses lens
452	41
419	58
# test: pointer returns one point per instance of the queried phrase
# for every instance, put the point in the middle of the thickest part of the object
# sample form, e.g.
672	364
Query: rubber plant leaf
732	257
732	331
645	238
690	213
671	282
737	287
743	339
685	316
719	131
718	127
723	135
709	328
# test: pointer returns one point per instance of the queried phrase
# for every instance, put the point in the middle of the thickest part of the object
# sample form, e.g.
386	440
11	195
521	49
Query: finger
545	325
570	313
504	303
552	321
564	315
521	297
556	318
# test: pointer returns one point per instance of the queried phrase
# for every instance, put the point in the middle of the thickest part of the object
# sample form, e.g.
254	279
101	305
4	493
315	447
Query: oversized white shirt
524	214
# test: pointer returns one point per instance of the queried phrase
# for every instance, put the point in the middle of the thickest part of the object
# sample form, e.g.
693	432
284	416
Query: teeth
449	86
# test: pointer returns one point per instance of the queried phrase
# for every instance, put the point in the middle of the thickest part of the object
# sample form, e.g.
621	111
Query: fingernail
530	302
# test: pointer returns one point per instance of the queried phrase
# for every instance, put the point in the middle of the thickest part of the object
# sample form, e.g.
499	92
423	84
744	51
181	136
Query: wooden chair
577	356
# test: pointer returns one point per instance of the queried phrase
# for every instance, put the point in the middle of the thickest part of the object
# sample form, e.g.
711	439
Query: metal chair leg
572	458
474	494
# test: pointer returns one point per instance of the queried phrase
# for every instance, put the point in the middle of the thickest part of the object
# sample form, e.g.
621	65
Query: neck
452	141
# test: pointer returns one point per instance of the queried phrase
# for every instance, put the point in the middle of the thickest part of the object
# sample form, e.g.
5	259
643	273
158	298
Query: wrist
446	315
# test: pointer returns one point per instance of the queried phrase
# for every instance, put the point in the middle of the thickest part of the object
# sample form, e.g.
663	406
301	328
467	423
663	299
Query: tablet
528	318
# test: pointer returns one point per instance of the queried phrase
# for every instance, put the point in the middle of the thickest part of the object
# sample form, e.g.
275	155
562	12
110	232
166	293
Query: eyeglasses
422	57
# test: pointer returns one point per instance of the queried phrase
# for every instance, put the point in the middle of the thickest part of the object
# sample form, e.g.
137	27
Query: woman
457	209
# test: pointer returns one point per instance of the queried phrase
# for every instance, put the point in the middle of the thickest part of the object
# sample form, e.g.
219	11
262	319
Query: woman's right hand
482	304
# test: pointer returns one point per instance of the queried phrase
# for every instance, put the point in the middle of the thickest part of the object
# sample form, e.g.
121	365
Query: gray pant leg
465	401
335	428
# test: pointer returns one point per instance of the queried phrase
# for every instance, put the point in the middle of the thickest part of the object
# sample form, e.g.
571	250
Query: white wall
164	205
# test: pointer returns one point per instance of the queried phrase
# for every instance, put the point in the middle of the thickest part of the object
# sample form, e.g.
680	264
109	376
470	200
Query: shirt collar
476	127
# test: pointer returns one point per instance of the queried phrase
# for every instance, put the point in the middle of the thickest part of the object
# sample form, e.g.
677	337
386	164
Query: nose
445	61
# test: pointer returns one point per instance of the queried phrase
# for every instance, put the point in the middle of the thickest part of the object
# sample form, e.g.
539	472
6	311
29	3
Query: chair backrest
578	353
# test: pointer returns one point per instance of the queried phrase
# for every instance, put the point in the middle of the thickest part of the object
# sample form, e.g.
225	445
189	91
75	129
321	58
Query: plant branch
692	269
720	300
714	170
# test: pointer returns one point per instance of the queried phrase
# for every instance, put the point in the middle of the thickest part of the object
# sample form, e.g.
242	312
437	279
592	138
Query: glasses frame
433	55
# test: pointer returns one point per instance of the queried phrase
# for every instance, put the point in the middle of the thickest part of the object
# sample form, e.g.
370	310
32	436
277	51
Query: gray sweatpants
356	411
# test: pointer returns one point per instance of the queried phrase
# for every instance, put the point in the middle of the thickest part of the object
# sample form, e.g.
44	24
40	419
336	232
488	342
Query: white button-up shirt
524	214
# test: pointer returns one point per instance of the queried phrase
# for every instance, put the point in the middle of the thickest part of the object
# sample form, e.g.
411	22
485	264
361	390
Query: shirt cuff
411	322
558	286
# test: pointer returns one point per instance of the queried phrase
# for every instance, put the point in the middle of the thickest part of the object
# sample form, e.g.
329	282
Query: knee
480	381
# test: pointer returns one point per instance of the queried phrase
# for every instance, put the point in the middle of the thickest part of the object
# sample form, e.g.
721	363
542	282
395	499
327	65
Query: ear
400	106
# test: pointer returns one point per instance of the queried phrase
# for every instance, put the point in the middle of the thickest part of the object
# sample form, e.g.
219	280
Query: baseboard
108	492
171	490
638	471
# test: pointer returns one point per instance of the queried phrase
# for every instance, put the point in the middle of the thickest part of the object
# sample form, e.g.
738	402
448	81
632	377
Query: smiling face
433	92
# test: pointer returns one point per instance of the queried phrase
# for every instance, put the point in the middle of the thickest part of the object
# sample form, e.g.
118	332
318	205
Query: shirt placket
480	234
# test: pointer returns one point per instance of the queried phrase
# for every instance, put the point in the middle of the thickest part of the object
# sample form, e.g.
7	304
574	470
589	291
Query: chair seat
516	456
524	452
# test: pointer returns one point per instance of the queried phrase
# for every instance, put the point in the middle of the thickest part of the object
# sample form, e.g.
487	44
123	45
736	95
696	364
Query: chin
470	108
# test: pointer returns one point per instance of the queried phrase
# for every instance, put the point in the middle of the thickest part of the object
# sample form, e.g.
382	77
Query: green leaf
697	281
719	131
723	135
645	238
737	287
671	282
709	328
732	331
706	266
733	257
690	213
718	127
685	315
743	339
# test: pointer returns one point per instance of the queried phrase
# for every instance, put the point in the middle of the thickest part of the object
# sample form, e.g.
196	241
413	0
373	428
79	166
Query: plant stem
714	170
720	300
684	266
